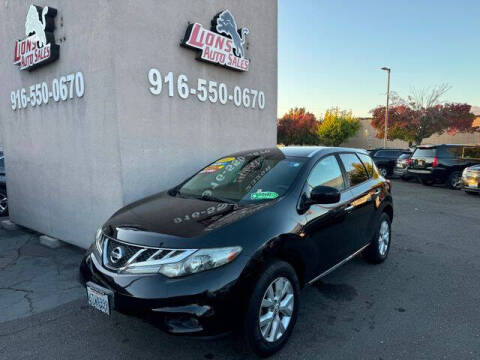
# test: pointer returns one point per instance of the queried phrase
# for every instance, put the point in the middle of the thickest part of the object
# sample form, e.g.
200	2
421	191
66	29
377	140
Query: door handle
349	208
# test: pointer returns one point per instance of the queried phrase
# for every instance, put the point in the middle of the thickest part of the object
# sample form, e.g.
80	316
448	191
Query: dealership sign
39	47
224	44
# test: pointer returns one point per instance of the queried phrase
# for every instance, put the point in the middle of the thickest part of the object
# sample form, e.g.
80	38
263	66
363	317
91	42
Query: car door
326	223
381	158
365	190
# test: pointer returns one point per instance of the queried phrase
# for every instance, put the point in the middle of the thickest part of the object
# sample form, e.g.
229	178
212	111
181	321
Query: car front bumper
397	171
206	303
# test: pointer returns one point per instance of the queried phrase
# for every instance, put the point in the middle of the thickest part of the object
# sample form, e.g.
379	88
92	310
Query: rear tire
383	171
426	182
3	202
270	308
471	192
379	247
455	180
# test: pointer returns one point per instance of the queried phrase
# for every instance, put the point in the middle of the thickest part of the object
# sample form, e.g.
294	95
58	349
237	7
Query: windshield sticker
224	160
264	195
211	169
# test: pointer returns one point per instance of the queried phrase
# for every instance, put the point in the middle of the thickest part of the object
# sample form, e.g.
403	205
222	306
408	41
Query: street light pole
386	111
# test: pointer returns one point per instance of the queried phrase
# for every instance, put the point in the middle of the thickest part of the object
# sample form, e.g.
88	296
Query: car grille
117	255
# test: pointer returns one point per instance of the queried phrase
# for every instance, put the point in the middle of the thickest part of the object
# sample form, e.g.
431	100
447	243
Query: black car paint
387	158
422	166
311	239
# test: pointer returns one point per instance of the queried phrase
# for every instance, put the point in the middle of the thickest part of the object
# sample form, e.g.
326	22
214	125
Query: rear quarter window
471	152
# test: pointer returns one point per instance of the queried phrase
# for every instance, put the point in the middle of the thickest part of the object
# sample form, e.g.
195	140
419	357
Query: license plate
99	298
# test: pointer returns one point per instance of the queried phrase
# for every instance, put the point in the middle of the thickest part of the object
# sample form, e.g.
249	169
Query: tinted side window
356	172
327	173
450	151
471	152
367	161
381	153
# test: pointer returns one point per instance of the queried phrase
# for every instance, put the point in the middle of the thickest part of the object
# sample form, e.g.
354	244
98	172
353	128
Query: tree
421	116
297	127
337	126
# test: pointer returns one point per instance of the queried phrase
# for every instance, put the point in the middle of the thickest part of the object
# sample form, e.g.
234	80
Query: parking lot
422	303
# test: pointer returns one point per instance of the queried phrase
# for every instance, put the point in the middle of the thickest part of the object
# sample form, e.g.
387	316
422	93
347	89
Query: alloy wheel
3	204
383	171
383	238
276	309
456	181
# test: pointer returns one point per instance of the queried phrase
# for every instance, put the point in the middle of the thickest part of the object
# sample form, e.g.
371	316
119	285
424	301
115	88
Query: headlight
200	260
99	241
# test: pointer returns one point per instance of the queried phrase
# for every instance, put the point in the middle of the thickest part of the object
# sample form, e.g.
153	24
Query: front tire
272	309
455	180
379	247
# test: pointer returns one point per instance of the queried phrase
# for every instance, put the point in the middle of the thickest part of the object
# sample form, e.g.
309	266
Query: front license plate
98	299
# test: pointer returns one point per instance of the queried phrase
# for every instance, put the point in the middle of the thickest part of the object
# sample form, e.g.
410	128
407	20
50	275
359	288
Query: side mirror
324	195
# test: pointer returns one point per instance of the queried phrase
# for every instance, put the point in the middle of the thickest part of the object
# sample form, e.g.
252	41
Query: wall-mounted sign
39	47
224	44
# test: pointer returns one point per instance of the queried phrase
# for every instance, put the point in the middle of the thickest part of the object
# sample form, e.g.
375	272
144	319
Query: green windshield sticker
264	195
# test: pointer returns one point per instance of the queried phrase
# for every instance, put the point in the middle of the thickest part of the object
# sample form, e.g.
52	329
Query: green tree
336	127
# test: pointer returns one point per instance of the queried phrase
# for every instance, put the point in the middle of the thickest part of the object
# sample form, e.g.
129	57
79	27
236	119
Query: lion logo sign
227	25
34	24
39	47
222	44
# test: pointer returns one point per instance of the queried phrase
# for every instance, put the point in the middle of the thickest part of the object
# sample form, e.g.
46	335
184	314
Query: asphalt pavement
422	303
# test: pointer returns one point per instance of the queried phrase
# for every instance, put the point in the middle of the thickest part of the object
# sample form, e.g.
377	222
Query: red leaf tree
297	127
422	116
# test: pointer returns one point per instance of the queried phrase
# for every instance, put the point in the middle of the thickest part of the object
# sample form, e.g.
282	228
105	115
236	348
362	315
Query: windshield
424	152
252	177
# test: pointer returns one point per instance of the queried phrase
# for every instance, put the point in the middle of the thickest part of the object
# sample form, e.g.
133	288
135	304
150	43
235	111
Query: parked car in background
3	187
385	159
401	166
443	164
232	246
471	179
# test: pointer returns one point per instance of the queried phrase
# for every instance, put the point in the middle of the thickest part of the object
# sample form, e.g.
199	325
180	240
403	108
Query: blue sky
330	51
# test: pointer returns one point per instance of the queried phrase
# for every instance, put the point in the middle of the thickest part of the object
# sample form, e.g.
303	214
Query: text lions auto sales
27	52
215	48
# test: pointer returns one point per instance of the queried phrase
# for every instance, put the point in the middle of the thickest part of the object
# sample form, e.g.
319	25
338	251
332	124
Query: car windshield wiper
203	197
215	198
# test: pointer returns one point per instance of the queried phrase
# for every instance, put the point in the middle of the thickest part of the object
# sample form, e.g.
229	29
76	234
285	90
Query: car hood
474	167
165	217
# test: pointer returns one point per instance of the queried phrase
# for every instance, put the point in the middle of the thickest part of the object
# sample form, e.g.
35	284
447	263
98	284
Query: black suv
386	159
232	245
443	164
